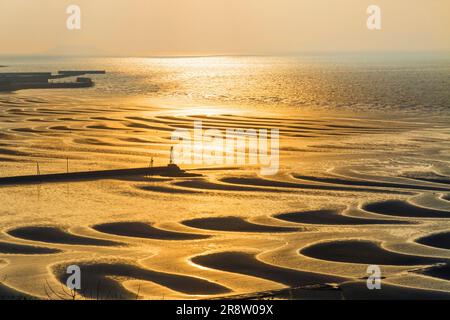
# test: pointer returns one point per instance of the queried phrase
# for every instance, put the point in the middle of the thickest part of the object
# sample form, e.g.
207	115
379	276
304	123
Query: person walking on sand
151	163
171	155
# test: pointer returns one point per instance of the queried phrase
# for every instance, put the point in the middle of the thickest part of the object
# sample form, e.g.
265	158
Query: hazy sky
184	27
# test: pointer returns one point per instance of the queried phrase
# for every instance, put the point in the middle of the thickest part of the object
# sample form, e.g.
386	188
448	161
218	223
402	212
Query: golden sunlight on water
352	189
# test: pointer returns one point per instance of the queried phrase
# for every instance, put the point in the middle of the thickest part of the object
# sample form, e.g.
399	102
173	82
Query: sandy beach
354	189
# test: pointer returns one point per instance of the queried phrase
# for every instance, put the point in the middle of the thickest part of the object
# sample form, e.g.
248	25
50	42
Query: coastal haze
363	175
203	27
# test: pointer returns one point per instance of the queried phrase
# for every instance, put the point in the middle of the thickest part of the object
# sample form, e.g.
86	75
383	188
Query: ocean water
363	179
364	82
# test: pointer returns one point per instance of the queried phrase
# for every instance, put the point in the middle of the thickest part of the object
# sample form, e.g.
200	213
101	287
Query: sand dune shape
437	240
56	235
234	224
331	217
363	252
13	248
404	209
368	183
144	230
247	264
97	281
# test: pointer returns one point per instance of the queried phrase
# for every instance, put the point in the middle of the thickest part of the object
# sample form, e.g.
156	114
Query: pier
13	81
171	170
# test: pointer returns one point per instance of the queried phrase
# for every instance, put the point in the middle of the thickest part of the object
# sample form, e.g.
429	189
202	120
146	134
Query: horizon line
287	54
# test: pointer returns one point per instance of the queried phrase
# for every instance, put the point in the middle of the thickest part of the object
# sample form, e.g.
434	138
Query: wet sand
347	195
440	272
144	230
12	248
438	240
404	209
365	252
331	217
98	284
243	263
56	235
8	293
234	224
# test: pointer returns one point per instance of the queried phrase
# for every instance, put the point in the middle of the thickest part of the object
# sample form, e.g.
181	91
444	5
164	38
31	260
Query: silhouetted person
171	155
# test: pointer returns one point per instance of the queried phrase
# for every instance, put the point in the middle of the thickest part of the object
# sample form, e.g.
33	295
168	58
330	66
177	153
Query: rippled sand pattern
350	192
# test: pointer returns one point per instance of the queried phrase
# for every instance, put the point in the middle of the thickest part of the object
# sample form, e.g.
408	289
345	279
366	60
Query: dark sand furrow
96	281
155	120
439	271
3	159
206	185
169	190
144	230
234	224
137	140
63	128
169	171
9	152
71	119
358	291
27	130
427	176
404	209
105	119
363	252
281	184
247	264
8	293
13	248
368	183
94	142
331	217
104	127
438	240
433	180
146	126
36	120
56	235
350	290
